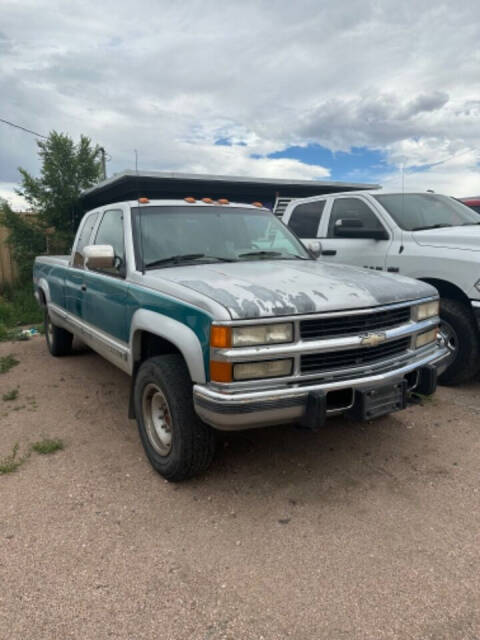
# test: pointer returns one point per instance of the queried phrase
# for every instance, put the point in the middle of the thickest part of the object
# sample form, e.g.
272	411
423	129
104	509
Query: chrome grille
354	324
360	356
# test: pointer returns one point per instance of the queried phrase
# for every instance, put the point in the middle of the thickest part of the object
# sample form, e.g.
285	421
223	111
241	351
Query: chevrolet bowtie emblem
373	339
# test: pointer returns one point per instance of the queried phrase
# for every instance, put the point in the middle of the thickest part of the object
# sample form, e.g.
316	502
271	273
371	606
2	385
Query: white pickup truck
427	236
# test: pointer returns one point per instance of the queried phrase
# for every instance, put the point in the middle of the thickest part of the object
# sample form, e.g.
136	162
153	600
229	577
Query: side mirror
99	256
314	247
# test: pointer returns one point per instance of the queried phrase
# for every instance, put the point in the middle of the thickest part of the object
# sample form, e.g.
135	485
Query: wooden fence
8	269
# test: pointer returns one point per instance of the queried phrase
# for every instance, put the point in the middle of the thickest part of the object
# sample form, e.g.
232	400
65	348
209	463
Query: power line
17	126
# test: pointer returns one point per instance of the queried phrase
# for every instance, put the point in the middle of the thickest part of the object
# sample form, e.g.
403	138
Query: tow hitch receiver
371	403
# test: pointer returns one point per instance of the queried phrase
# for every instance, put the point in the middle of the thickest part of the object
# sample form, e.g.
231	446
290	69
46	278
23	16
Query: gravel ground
355	532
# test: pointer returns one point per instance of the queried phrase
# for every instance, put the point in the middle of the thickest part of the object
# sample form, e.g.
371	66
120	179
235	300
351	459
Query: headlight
426	310
477	285
266	369
250	335
262	334
425	338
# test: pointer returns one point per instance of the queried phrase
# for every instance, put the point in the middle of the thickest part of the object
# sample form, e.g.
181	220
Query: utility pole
104	162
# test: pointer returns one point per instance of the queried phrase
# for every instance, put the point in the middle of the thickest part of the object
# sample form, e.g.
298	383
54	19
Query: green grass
47	445
10	395
17	307
7	362
10	463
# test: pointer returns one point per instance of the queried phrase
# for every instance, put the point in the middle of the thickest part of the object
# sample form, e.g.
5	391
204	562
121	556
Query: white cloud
16	202
169	79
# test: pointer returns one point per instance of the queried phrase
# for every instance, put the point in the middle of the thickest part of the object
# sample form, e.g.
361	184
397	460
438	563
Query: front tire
177	443
461	335
59	341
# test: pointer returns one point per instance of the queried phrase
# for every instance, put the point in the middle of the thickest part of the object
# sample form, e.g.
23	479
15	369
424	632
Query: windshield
416	211
171	235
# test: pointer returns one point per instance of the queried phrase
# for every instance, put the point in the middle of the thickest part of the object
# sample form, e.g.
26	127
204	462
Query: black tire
464	342
163	385
59	341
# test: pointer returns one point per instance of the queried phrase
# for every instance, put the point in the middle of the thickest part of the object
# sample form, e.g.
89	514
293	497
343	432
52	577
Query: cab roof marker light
207	200
257	204
223	201
190	199
143	200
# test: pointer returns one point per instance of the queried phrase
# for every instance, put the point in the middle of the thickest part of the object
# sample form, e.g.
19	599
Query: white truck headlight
426	310
265	369
250	335
425	338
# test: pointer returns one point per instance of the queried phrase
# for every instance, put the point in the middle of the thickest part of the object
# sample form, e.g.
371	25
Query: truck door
74	280
358	249
105	290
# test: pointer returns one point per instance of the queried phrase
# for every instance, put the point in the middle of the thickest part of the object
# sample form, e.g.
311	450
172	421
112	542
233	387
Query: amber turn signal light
220	371
220	336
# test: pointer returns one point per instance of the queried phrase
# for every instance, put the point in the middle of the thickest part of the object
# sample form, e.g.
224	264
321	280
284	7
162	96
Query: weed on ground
10	463
7	362
10	395
47	445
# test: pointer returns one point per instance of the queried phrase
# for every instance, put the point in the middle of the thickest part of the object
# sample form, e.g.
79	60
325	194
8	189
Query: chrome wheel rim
450	336
157	419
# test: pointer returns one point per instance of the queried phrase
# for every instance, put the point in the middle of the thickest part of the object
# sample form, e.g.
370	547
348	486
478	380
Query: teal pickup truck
224	320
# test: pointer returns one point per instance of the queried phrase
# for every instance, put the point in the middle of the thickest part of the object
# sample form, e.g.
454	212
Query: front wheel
177	443
461	336
59	341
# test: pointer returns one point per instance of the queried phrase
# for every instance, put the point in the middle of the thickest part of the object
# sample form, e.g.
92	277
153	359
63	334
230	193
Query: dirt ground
355	532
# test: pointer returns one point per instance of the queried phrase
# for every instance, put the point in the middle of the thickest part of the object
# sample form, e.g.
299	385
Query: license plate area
378	401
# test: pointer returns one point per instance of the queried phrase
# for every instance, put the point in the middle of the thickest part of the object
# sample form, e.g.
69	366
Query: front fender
184	339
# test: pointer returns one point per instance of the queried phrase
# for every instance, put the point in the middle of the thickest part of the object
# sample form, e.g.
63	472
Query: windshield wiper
261	254
431	226
469	224
187	257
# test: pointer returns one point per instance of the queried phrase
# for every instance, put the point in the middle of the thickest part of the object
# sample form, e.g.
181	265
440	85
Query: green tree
67	169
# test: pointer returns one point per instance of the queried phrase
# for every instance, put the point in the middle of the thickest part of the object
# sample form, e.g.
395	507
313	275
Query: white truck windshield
170	235
418	211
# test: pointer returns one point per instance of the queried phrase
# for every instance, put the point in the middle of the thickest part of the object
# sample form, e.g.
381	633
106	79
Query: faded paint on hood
467	237
286	287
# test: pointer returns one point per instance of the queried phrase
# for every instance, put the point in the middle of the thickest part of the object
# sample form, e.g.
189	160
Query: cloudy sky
351	90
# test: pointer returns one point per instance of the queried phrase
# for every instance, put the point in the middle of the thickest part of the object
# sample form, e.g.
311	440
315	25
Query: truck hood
289	287
450	237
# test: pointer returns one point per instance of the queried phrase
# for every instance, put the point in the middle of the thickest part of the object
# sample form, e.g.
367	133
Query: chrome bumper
248	410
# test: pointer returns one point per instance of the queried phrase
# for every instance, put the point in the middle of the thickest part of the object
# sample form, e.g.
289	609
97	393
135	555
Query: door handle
83	287
329	252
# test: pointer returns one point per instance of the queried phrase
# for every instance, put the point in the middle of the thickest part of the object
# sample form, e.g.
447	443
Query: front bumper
248	410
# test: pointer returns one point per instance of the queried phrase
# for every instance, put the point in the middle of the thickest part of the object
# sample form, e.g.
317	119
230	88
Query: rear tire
177	443
59	341
459	329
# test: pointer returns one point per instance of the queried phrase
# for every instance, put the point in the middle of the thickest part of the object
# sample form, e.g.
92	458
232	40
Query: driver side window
353	209
110	231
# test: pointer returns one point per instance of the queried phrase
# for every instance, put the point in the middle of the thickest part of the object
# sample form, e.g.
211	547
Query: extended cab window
352	208
305	219
110	231
84	235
